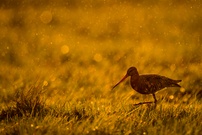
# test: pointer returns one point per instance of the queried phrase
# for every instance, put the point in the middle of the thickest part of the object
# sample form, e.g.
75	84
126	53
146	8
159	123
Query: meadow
60	60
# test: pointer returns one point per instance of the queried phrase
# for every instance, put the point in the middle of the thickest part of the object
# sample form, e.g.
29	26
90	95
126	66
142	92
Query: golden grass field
59	61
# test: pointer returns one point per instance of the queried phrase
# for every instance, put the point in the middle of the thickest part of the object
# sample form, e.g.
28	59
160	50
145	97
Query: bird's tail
175	83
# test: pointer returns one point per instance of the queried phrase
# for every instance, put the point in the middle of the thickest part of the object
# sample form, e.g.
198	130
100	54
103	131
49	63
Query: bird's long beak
120	81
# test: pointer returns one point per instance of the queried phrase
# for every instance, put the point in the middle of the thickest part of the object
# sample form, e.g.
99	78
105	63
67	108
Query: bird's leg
155	101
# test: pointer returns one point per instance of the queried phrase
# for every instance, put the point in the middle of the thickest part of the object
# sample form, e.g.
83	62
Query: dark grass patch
31	102
26	103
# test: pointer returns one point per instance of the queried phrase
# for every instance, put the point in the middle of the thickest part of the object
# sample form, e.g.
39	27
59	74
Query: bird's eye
130	71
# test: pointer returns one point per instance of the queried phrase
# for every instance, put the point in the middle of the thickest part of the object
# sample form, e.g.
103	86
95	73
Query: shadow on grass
26	103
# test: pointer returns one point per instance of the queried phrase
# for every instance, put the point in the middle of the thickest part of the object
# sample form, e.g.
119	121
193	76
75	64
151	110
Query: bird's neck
134	81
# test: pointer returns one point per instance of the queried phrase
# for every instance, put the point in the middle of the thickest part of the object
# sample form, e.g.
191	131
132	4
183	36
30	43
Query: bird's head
130	72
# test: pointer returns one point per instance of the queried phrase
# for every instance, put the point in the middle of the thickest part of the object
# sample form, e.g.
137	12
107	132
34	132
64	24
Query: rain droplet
171	97
45	83
173	67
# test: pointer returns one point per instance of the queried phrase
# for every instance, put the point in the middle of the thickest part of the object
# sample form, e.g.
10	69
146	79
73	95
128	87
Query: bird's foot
142	103
151	105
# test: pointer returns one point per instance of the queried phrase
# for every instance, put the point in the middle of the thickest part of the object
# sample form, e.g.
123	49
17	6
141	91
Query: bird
148	83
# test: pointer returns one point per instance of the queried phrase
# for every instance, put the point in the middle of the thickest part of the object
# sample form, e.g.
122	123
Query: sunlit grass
60	61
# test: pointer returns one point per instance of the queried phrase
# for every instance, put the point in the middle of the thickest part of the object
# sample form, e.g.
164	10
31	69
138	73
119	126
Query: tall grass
77	50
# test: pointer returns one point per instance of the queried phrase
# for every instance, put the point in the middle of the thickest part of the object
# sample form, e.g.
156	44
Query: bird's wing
153	83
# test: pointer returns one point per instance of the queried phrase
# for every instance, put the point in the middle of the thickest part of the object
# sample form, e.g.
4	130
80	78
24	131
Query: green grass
60	60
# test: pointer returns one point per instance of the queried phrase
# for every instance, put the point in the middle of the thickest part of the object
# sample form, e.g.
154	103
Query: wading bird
148	84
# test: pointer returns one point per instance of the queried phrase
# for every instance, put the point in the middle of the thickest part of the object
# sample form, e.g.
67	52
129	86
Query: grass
60	60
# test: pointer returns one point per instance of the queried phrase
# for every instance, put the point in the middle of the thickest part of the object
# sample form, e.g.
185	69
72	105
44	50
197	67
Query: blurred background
88	45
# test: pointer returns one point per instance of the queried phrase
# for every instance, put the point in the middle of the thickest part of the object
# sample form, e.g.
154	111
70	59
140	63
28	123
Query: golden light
45	83
46	17
171	96
182	90
64	49
98	57
173	67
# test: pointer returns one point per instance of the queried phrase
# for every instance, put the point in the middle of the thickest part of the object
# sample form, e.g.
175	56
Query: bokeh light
76	50
64	49
98	57
46	17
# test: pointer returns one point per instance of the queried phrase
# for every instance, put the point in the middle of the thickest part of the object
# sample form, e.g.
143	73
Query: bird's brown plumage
148	84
